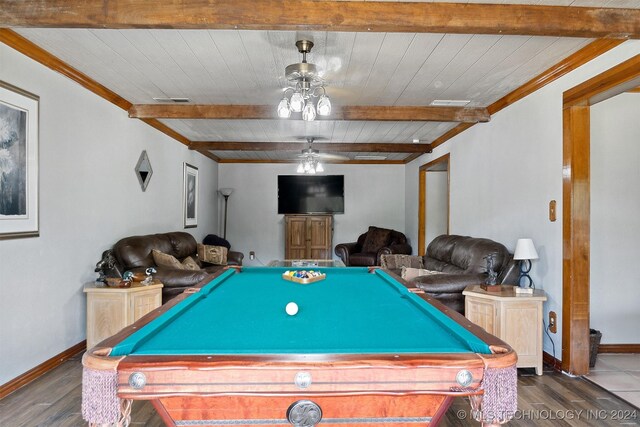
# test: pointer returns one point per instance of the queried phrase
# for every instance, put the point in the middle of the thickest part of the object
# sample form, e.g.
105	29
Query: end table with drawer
514	318
111	309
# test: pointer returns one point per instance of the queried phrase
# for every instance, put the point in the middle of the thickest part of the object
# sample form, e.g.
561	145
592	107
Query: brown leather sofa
364	253
462	262
134	254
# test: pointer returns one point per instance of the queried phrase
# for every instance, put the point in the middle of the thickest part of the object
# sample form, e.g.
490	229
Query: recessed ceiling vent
449	103
176	100
370	157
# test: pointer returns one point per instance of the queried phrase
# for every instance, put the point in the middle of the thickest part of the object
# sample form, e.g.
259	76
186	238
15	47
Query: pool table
364	348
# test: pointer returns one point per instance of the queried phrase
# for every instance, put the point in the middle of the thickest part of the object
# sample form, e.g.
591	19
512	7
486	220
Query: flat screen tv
310	194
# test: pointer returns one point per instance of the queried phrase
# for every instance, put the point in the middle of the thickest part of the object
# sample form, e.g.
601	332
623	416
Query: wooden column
576	248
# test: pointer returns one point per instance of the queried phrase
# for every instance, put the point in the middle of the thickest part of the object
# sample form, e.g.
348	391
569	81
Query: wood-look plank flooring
549	400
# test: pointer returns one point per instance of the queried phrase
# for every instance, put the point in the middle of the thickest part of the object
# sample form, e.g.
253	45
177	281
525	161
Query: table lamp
525	252
226	192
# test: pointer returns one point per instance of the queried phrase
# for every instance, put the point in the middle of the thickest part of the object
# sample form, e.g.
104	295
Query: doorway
433	205
576	195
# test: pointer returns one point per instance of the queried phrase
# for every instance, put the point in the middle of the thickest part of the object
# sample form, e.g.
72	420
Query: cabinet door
105	316
143	303
319	230
295	237
482	313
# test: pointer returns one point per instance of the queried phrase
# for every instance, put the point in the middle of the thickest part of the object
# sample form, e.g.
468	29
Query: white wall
437	201
373	196
615	218
504	173
89	198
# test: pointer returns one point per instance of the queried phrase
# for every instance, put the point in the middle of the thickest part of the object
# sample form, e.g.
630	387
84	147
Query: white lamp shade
525	250
226	191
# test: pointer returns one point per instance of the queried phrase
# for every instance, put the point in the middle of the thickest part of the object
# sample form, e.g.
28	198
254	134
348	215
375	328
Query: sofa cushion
190	264
376	239
212	254
213	240
395	262
162	259
409	273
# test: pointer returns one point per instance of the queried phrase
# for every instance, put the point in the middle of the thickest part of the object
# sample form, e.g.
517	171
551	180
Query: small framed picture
18	162
190	196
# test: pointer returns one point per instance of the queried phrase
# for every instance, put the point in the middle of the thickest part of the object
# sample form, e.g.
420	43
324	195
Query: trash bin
594	340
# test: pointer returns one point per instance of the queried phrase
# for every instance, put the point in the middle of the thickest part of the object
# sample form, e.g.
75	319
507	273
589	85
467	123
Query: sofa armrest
447	283
234	258
401	249
343	250
173	277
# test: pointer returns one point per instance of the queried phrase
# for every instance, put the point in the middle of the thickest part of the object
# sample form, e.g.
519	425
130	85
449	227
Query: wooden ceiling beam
310	15
322	146
268	112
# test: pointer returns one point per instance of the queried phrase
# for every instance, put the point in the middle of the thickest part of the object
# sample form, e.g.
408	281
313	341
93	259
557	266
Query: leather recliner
134	254
355	253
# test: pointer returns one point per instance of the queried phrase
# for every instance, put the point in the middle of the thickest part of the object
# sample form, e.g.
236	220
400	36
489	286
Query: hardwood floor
549	400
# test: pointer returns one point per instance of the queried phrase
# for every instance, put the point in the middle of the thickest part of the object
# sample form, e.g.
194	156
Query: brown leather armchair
134	254
371	246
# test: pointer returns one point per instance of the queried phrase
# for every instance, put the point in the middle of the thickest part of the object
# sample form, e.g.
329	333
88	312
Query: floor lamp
226	192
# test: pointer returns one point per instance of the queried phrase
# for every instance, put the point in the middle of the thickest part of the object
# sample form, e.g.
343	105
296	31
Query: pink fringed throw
100	403
500	400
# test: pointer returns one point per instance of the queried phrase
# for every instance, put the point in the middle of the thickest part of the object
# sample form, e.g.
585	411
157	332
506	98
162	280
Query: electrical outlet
252	255
553	327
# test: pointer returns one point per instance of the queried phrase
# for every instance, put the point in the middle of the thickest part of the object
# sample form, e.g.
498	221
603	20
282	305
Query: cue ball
291	309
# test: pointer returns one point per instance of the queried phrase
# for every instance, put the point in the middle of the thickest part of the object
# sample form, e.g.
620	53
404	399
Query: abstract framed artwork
190	196
19	117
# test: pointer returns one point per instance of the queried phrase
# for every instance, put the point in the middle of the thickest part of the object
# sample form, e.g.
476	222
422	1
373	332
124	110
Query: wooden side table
514	318
111	309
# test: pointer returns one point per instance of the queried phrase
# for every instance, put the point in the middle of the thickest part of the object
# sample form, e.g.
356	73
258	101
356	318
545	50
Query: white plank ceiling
247	67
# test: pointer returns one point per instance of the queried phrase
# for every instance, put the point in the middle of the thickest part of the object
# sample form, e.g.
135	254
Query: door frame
576	218
422	199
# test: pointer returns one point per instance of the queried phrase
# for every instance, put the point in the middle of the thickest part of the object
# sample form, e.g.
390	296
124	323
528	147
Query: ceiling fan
310	159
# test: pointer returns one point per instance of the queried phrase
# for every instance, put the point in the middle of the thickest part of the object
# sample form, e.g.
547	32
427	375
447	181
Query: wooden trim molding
549	360
354	112
619	348
570	63
576	216
41	369
28	48
322	146
335	162
310	15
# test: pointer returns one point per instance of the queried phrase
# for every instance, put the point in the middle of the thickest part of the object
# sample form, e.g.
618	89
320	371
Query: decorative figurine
492	276
107	266
149	279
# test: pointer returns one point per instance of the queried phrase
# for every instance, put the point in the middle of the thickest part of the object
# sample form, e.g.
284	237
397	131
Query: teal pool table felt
352	311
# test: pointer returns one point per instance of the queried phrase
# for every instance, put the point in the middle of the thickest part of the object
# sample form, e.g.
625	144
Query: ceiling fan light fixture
319	167
306	84
300	168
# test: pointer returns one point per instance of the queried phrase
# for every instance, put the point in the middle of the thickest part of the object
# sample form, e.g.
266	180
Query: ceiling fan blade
330	156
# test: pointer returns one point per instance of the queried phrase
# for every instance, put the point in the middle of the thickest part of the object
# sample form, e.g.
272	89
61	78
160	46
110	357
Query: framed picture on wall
18	162
190	196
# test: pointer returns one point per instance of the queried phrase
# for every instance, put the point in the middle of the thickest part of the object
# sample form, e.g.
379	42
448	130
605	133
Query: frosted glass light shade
284	109
319	168
226	191
324	105
297	102
300	168
309	112
525	250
